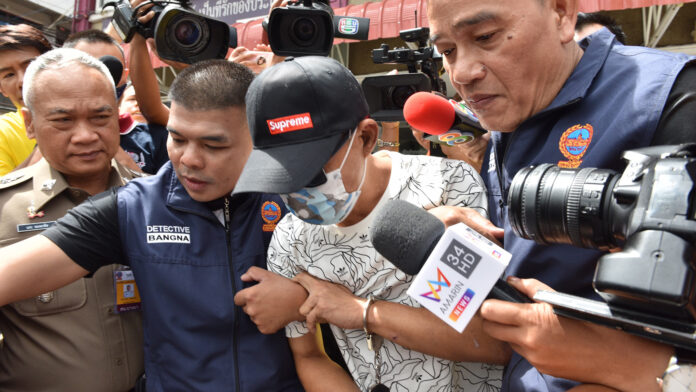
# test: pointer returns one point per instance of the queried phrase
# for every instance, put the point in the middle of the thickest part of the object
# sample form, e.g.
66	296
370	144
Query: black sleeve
89	233
678	122
159	139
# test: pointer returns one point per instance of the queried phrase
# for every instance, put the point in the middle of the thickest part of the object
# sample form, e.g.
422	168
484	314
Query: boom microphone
114	66
449	121
407	235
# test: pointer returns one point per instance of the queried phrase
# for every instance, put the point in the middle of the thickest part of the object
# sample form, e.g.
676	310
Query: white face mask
328	203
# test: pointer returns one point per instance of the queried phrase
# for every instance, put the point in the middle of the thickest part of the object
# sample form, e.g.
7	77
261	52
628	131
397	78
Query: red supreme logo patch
290	123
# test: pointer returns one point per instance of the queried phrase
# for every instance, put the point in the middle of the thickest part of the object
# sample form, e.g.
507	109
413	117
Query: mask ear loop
345	157
364	162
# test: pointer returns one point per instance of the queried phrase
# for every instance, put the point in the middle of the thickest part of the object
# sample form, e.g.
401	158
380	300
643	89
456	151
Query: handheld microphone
448	121
416	241
114	66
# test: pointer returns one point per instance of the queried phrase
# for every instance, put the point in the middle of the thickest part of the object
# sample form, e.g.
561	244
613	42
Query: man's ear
368	130
28	123
566	12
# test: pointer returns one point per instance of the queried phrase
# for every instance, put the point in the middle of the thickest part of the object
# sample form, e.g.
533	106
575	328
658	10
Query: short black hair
210	85
602	19
15	37
91	36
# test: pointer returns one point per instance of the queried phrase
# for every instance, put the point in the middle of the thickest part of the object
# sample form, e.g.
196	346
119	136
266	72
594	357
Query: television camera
180	33
308	28
386	95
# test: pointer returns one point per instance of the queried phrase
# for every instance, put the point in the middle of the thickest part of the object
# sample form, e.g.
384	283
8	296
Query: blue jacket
612	102
188	267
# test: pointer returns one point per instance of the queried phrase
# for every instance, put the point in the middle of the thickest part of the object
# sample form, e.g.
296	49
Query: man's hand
451	215
573	349
256	60
331	303
143	13
273	302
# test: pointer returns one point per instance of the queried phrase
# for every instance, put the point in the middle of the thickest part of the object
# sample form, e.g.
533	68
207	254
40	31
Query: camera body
308	28
180	34
386	95
648	211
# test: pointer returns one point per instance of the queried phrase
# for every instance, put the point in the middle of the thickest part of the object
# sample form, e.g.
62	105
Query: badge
48	185
32	213
45	297
270	213
26	227
573	145
127	295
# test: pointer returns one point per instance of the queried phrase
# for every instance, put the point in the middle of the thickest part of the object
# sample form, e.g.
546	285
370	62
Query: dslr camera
386	95
308	28
648	211
180	33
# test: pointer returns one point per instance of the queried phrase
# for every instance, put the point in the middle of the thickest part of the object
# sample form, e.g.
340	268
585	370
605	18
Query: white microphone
457	268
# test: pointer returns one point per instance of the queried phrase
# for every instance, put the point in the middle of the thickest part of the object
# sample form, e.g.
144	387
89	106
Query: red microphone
451	122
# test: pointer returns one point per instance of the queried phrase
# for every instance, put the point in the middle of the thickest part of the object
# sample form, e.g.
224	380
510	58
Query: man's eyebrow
219	139
481	17
3	70
105	108
59	111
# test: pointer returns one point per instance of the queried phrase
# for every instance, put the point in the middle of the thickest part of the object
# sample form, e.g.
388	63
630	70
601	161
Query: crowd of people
198	246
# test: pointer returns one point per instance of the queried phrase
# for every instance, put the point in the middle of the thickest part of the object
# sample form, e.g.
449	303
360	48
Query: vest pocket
65	299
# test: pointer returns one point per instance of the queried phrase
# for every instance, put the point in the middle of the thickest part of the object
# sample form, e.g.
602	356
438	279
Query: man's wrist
385	143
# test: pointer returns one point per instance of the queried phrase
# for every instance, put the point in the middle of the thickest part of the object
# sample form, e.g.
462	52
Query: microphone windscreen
429	113
405	234
115	67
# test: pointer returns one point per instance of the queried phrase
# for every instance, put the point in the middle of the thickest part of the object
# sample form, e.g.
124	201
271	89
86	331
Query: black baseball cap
299	112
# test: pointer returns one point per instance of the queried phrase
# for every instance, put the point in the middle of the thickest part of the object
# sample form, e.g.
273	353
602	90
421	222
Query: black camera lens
550	205
187	32
303	31
399	94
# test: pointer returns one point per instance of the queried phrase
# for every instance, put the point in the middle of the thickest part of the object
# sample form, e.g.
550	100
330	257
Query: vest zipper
235	330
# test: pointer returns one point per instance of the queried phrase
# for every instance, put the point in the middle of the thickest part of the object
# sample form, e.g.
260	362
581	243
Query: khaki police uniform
69	339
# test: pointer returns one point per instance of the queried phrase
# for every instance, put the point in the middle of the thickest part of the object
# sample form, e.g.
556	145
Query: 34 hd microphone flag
461	266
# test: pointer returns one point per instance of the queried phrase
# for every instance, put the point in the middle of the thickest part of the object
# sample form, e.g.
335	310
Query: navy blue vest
196	339
612	102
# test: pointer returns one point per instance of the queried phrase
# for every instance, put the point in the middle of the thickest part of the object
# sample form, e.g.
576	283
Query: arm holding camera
143	76
598	355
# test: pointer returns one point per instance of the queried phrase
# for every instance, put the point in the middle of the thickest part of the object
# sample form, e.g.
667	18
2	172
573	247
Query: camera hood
187	36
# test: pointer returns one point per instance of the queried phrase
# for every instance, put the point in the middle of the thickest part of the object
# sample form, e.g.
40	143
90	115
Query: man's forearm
418	329
145	83
34	266
316	371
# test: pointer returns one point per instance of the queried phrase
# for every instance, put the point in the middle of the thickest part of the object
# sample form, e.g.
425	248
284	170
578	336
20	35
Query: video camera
308	28
386	95
648	211
180	33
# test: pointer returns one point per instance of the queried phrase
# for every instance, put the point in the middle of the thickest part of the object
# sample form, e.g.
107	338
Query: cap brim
287	168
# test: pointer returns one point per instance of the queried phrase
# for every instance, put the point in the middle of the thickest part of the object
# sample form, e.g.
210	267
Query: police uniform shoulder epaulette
15	178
